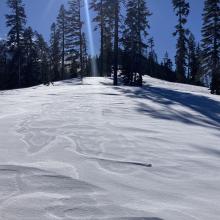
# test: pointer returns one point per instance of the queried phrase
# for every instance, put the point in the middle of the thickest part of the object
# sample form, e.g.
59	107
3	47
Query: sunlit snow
94	151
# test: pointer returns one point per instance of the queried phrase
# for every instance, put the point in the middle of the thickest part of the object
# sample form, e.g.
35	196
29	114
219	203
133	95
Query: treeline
26	59
126	49
125	43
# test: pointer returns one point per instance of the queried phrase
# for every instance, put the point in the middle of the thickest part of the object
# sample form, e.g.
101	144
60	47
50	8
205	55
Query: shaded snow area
92	151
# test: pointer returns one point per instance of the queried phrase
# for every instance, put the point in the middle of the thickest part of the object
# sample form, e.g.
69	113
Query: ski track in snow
93	151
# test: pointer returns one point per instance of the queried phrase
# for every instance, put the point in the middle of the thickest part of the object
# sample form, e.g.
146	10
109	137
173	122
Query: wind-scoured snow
92	151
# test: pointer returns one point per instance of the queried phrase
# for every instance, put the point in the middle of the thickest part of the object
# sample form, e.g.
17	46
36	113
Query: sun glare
90	36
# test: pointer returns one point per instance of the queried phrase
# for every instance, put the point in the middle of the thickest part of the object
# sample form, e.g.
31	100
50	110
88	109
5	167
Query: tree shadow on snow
206	112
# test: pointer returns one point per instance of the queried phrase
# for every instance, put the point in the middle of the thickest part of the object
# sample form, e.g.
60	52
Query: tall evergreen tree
134	38
84	54
74	34
167	70
43	59
116	39
16	22
167	62
152	57
31	59
211	42
104	19
192	59
54	53
62	29
181	8
199	73
3	65
98	8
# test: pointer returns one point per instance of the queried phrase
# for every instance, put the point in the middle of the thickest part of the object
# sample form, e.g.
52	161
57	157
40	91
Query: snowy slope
84	151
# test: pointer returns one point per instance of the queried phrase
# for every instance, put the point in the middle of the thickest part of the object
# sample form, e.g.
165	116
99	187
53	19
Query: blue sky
41	14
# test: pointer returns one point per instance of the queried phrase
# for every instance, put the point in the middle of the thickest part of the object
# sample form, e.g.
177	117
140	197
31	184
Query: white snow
84	151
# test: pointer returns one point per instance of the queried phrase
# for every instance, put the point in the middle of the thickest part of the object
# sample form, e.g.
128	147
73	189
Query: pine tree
84	54
192	59
98	7
152	57
104	19
43	57
199	73
31	61
54	53
167	70
3	65
211	42
181	7
167	62
16	22
116	39
134	38
74	35
62	29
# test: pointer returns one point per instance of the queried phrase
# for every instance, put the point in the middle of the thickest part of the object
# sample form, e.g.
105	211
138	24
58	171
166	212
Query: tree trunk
102	40
80	39
116	43
63	51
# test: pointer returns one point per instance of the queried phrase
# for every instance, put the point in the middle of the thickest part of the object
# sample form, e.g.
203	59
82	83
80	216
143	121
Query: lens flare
91	40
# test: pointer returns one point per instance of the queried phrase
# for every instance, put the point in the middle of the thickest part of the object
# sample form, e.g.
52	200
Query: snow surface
94	151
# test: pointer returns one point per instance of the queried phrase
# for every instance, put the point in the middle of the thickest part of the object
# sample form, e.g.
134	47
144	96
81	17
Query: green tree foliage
43	59
62	30
192	60
105	22
85	56
181	7
16	21
134	39
211	42
30	69
74	36
55	53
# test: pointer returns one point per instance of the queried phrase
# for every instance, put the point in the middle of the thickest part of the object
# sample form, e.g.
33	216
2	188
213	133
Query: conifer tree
167	62
181	7
16	22
199	73
31	60
167	70
43	57
98	8
74	35
152	56
211	42
192	59
84	54
116	39
134	37
62	29
104	19
54	53
3	65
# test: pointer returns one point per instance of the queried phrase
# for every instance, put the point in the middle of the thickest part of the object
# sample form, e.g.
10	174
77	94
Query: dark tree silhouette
211	42
134	39
181	7
16	22
62	29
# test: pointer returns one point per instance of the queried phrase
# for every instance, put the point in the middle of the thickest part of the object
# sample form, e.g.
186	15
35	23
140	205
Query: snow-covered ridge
92	151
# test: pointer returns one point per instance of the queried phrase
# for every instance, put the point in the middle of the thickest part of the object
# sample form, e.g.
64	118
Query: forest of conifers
27	59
